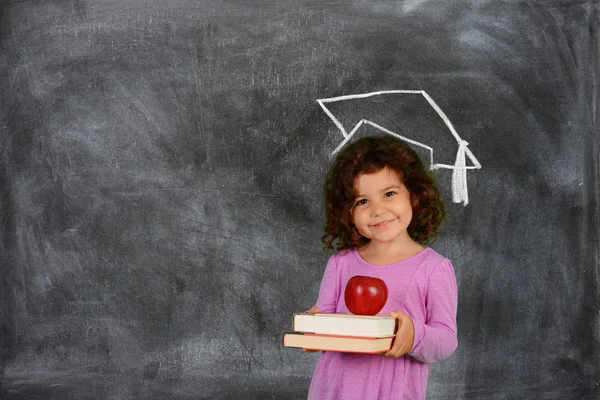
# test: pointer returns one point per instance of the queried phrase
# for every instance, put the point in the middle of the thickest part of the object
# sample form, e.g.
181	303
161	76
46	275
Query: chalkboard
161	187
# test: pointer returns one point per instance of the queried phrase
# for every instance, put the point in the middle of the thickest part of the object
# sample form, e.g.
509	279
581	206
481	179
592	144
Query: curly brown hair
367	156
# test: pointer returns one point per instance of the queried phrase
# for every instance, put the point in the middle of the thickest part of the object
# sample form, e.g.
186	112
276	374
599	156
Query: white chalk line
460	193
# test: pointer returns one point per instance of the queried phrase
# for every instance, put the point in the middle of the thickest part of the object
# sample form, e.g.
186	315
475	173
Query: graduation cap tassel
460	193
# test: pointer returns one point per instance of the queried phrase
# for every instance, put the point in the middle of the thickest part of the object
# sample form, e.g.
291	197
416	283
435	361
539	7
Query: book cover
344	324
337	343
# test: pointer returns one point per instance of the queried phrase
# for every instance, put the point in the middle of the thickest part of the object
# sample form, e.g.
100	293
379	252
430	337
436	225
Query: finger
396	343
400	346
396	353
398	314
407	332
396	347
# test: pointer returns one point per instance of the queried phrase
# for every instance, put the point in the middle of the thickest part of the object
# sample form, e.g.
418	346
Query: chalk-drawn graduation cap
410	115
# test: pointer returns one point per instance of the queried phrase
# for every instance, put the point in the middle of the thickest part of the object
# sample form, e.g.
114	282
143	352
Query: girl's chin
388	236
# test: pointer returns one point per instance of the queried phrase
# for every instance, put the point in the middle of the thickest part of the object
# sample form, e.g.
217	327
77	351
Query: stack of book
341	332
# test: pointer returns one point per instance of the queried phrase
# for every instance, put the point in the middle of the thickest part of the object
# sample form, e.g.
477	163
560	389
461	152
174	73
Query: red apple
365	295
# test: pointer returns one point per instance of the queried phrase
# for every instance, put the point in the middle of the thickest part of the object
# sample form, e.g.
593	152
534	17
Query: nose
377	208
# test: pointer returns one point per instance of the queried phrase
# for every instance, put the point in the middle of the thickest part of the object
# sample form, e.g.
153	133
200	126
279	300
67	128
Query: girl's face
382	208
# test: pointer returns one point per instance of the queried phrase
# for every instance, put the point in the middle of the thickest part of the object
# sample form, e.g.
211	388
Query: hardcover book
310	341
344	324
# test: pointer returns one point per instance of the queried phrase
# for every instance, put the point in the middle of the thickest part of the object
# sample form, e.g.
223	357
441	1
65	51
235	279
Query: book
344	324
348	344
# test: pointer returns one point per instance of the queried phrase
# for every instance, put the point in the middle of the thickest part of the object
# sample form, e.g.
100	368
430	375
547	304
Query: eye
388	194
361	202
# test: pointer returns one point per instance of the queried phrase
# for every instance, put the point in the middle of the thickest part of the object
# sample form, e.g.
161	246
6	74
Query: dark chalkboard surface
160	188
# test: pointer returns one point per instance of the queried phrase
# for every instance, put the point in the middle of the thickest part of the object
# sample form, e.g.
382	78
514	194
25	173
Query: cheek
363	228
409	212
358	218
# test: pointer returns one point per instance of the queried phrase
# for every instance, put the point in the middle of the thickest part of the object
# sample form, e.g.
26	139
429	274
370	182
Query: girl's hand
405	335
313	310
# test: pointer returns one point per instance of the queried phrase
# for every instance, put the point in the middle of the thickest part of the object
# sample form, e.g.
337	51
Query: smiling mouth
383	224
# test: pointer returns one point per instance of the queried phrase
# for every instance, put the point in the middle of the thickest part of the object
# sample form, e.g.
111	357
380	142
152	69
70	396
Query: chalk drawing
460	193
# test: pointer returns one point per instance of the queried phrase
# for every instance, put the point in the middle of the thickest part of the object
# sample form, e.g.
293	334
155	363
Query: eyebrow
384	190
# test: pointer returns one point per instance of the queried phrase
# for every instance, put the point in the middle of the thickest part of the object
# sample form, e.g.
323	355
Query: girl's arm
328	292
435	338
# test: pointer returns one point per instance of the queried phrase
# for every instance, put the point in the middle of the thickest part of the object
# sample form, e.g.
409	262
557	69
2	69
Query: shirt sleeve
436	338
328	292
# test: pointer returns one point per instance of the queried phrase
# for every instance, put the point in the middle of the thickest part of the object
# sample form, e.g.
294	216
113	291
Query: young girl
381	206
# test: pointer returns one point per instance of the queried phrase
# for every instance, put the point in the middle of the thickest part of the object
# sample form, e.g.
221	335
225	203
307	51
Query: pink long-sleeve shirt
423	287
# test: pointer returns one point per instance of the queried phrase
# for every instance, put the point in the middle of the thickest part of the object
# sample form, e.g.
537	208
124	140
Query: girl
381	206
